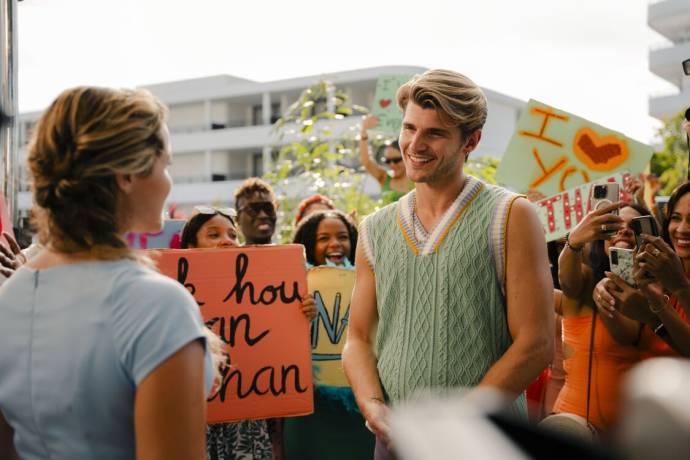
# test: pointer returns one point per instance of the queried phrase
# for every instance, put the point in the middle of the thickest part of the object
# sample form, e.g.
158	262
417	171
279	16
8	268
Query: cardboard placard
332	289
560	213
251	297
168	238
385	106
553	151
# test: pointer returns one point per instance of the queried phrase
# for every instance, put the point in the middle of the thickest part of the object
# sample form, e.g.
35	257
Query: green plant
670	163
317	154
483	168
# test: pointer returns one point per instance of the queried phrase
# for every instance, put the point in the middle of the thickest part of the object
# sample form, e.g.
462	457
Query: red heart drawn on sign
384	103
600	153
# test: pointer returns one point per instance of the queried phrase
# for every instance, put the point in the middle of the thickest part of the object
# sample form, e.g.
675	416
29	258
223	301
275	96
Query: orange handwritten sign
250	297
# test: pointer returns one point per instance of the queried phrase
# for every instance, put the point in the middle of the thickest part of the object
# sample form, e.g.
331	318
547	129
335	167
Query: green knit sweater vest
441	305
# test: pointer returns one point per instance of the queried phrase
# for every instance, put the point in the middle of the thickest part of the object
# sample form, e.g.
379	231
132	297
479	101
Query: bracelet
363	138
374	398
570	246
661	308
661	331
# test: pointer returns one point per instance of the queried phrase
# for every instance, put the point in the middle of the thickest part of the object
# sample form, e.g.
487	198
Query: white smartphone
622	263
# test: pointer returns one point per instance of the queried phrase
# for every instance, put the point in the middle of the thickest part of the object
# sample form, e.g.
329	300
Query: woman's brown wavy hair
86	137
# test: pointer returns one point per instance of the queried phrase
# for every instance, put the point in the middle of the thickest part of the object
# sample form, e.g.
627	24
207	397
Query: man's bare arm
529	300
359	360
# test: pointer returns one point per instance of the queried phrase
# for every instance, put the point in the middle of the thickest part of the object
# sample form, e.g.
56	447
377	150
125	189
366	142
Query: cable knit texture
442	316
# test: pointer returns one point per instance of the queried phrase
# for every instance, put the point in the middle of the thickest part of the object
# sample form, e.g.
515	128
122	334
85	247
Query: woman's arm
596	225
170	408
372	168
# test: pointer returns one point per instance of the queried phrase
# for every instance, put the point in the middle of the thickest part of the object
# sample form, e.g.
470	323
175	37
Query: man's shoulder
500	192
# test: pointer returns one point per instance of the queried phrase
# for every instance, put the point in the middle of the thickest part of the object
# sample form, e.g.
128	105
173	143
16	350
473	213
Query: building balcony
666	62
663	107
248	137
670	18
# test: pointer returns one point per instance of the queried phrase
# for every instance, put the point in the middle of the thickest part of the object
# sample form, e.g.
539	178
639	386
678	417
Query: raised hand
11	258
658	260
598	224
369	122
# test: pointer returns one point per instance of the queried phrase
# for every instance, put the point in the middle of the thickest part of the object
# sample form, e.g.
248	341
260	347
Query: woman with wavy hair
597	350
102	356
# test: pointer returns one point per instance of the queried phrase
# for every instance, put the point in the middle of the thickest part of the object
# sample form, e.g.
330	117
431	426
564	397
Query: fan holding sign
336	430
215	228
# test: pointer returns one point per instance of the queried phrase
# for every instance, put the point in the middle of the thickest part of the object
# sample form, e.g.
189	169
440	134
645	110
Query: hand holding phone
604	195
643	225
621	261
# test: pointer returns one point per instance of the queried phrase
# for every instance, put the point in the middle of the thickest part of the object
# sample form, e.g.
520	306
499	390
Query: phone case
624	265
612	196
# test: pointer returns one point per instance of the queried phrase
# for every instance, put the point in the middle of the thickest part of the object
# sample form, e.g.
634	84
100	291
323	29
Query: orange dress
610	361
653	346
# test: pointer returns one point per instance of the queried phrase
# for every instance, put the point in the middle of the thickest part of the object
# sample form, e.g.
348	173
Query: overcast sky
589	57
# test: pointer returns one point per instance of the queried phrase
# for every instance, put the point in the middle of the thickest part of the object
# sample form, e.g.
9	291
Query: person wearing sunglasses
394	183
256	211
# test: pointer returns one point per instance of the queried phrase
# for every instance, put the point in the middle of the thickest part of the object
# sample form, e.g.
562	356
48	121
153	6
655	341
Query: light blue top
75	341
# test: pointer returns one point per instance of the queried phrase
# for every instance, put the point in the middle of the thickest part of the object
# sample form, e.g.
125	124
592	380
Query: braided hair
83	140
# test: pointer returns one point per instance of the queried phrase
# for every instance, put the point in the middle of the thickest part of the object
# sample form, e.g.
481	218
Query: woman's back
77	340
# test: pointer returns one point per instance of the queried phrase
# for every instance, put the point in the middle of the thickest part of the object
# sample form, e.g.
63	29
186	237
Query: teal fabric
329	433
442	316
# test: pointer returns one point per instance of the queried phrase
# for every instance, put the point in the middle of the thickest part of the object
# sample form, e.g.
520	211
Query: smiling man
256	211
452	282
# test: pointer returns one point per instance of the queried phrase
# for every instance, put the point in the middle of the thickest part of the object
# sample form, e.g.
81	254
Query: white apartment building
670	18
221	127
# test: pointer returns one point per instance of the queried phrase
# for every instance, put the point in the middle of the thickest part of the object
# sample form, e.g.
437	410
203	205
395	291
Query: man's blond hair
457	99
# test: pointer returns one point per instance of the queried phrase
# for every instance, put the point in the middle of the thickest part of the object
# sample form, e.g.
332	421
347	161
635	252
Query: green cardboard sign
385	105
553	151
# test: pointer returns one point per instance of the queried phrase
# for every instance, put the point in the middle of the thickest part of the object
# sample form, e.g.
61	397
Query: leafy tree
483	168
317	154
670	163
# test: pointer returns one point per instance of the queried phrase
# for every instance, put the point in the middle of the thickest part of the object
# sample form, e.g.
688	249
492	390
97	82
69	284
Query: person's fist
369	122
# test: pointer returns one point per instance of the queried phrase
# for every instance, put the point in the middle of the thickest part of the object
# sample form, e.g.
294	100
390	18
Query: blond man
452	281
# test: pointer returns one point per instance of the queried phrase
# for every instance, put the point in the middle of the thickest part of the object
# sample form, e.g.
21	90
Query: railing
668	44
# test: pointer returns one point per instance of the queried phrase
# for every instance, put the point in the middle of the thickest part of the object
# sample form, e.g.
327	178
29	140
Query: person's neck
434	199
257	242
49	257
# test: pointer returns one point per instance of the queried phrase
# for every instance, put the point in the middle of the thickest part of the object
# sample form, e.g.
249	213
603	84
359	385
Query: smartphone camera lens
614	257
599	191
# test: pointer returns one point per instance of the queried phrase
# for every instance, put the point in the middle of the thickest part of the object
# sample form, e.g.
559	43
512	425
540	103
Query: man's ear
472	143
124	182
